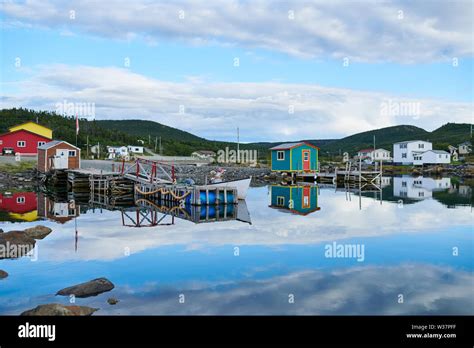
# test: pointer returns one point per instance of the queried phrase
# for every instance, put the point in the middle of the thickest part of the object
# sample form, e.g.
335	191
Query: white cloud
214	110
398	31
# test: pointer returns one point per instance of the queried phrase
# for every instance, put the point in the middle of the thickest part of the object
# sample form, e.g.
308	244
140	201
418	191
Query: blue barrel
221	197
230	197
230	210
212	211
212	197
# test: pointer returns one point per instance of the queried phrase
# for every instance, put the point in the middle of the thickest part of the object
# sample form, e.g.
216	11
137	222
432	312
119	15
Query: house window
20	200
421	146
305	156
404	184
404	155
21	143
280	155
41	143
403	146
421	194
1	142
280	201
72	153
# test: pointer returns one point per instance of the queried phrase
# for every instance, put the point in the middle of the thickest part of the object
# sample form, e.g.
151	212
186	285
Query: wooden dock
353	174
141	180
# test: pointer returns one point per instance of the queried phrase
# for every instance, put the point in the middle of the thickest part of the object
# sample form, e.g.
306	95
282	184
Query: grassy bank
17	167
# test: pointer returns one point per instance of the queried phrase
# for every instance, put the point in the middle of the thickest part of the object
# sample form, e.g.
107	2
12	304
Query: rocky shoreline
27	180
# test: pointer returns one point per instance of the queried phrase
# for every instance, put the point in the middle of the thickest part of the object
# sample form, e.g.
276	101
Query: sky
278	70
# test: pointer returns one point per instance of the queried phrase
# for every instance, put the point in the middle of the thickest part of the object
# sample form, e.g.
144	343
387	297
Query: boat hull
242	186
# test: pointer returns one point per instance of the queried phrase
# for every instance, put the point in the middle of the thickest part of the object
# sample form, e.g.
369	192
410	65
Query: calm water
415	246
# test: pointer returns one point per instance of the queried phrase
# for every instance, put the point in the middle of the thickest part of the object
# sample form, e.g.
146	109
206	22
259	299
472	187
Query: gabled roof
24	130
22	124
287	146
366	150
54	143
412	141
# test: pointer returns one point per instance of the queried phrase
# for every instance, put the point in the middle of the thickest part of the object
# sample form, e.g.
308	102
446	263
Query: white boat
242	185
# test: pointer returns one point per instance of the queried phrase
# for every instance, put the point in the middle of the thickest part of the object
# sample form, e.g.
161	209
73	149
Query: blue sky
283	64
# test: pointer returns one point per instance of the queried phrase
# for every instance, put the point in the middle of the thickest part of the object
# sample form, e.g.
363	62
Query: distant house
135	149
371	155
295	157
58	154
203	154
432	157
22	142
301	200
405	152
114	152
465	148
418	188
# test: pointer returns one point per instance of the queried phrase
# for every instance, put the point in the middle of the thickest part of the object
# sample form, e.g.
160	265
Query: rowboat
242	185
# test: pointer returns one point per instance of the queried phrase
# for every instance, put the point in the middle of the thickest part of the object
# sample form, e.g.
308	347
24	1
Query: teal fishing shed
295	157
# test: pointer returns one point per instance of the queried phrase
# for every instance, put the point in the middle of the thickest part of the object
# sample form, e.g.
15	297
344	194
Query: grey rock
15	244
90	288
112	301
38	232
56	309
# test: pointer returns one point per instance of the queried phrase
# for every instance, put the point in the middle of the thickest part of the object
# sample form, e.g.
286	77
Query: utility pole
238	145
87	147
156	140
149	139
98	150
160	148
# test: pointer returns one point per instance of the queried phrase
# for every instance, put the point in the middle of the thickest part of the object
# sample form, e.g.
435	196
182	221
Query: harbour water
405	249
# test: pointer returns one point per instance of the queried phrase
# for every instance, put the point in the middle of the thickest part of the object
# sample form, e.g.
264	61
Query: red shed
58	154
21	141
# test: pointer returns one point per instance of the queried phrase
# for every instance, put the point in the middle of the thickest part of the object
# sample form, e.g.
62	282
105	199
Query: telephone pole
238	140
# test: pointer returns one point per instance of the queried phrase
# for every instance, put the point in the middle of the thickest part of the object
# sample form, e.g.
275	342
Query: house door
306	160
61	159
306	197
61	209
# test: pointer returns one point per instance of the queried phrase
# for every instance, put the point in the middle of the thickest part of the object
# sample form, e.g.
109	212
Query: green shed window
280	155
280	201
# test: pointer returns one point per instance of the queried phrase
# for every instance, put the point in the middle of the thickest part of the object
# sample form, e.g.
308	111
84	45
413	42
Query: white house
371	155
135	149
432	157
114	152
404	152
465	148
418	187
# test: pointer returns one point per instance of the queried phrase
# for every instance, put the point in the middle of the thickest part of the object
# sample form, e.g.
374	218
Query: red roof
366	150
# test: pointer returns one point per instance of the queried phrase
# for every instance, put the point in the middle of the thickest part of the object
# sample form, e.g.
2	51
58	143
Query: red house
21	141
18	203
